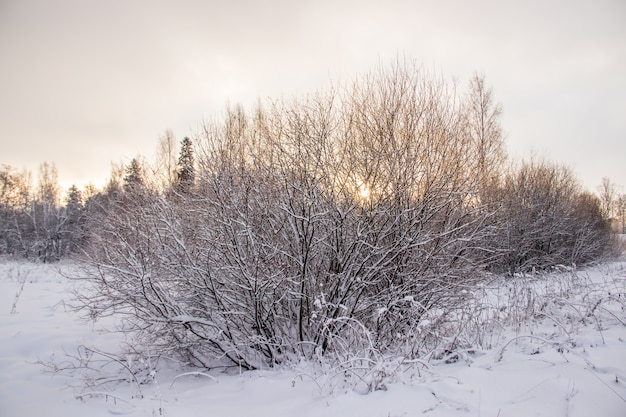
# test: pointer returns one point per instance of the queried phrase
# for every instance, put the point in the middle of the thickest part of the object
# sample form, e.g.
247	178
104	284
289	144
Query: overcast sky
87	82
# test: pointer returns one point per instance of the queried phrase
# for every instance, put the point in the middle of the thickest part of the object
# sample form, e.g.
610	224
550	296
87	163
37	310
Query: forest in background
324	225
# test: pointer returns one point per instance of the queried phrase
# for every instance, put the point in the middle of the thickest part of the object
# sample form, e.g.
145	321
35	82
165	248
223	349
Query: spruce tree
133	180
74	219
185	176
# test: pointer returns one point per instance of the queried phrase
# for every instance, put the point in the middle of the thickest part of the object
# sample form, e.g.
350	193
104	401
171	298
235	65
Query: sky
84	83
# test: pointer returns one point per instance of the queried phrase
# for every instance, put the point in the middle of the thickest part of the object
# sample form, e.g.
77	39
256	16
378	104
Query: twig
501	353
193	374
106	395
22	280
293	381
119	362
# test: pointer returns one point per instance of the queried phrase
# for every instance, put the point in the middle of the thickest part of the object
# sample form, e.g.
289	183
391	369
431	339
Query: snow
568	359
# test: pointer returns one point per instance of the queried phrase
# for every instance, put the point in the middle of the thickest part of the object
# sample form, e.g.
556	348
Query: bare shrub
349	224
546	220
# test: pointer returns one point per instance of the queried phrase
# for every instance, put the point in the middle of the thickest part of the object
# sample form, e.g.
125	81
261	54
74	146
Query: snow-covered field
551	346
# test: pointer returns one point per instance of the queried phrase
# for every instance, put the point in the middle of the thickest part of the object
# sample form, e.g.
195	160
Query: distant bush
546	220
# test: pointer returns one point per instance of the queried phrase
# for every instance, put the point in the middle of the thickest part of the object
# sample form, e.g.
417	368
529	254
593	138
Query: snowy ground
557	347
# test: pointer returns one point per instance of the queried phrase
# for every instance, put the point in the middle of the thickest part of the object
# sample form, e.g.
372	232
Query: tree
73	220
621	211
165	165
607	192
133	178
15	204
47	185
185	174
483	119
45	214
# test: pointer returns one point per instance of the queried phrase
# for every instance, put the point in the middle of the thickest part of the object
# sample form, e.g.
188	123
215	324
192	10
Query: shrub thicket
331	225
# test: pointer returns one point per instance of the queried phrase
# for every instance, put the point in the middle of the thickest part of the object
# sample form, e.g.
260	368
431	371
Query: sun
364	191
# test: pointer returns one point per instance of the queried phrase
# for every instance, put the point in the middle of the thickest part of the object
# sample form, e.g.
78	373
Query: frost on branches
343	225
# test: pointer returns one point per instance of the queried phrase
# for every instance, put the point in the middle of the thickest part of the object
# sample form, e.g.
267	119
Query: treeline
41	222
34	223
330	224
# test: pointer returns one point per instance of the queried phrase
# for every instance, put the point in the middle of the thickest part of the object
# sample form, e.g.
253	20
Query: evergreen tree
74	219
74	203
185	176
133	180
